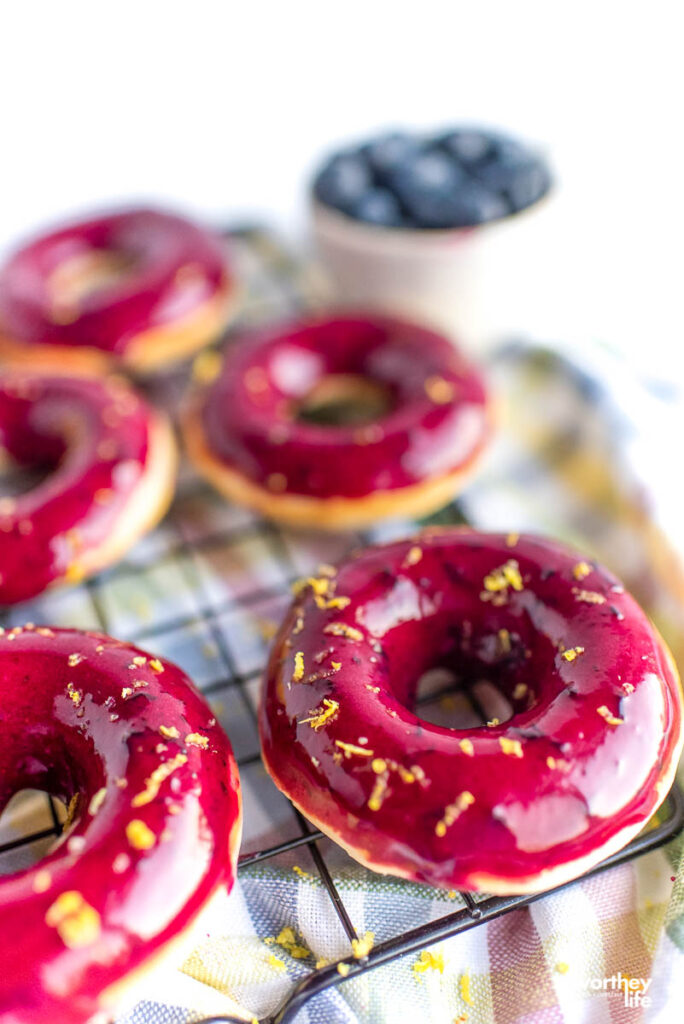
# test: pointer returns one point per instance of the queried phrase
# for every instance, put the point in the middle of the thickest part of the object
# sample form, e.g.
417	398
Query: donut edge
546	879
182	944
173	342
338	513
149	350
146	506
494	885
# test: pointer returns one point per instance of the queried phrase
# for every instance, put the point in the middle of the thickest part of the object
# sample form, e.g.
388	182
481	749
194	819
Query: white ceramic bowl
478	284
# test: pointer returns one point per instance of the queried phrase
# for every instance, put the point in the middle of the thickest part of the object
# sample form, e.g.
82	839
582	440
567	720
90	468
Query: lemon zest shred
504	641
320	715
588	596
298	670
511	747
331	602
413	556
439	390
139	835
428	961
351	748
196	739
288	940
464	985
453	811
363	946
610	718
377	796
154	781
76	922
503	577
274	961
342	629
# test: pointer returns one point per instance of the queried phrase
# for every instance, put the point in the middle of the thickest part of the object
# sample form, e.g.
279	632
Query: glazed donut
114	463
127	742
336	423
516	806
141	288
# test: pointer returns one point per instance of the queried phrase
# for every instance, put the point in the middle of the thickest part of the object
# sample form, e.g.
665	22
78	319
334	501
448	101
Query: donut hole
344	399
29	813
36	442
47	779
470	675
26	468
78	277
17	478
444	698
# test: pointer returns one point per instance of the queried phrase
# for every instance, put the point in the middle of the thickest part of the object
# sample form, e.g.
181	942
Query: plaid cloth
576	457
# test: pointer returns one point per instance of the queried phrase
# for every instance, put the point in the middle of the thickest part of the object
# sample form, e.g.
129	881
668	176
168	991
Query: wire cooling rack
205	589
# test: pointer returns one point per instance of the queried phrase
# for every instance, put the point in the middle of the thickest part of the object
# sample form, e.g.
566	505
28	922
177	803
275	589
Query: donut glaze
586	757
247	435
141	287
111	461
129	744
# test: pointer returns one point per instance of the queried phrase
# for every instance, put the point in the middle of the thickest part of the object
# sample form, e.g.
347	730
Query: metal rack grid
203	544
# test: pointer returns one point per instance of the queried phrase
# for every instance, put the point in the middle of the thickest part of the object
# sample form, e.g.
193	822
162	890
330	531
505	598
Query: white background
222	108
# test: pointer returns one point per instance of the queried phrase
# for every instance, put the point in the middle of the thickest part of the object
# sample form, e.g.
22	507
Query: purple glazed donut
339	422
127	742
112	459
586	757
141	287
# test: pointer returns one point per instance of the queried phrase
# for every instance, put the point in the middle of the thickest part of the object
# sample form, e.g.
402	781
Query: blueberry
529	185
508	151
468	145
463	177
343	181
516	174
470	203
388	151
378	206
430	171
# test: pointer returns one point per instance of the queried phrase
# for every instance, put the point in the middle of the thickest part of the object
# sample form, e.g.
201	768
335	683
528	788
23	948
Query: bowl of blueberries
409	222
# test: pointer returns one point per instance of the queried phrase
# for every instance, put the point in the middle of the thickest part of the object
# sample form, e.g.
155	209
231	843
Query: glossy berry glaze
104	447
103	283
434	424
130	745
588	754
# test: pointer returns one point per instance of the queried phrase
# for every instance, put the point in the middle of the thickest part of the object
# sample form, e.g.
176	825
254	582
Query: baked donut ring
336	423
516	806
128	743
113	462
141	288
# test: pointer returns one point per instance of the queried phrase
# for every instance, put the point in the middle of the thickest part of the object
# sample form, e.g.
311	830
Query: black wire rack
183	593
